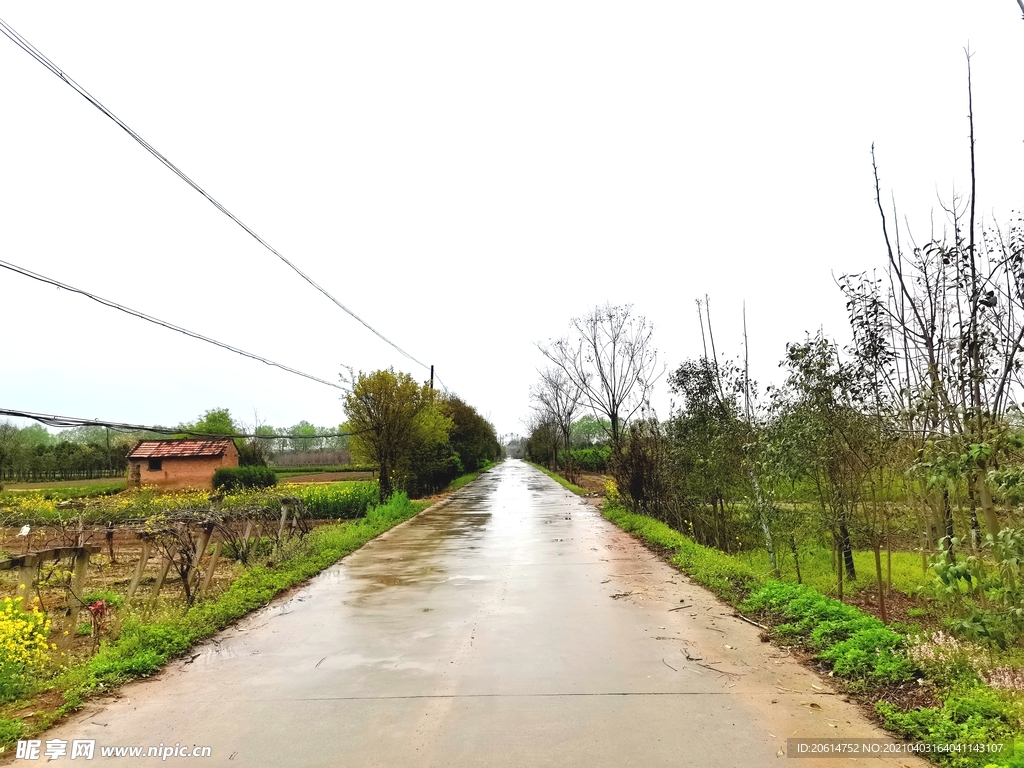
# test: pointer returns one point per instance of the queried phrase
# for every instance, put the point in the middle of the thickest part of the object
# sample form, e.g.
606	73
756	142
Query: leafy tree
708	435
304	437
827	436
382	409
216	421
589	430
472	437
432	461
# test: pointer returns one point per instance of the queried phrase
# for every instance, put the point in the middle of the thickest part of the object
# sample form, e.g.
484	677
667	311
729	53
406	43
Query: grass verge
143	646
559	479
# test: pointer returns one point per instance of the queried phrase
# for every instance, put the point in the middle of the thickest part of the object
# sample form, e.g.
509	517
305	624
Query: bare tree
558	398
955	310
610	357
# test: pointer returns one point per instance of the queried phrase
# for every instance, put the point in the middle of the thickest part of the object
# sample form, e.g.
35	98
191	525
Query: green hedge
232	479
594	459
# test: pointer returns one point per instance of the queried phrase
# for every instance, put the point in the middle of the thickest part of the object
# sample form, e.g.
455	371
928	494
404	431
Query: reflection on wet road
510	625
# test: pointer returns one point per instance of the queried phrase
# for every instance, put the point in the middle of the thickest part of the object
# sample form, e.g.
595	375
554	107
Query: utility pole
431	380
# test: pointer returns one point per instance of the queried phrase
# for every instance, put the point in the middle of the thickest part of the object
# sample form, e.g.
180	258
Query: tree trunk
385	482
881	583
796	558
888	565
851	570
839	566
769	545
988	507
975	526
947	516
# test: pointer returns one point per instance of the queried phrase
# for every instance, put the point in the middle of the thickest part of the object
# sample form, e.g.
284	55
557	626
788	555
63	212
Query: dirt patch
593	484
897	605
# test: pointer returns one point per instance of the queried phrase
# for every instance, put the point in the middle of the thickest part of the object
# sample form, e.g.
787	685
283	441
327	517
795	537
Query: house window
155	465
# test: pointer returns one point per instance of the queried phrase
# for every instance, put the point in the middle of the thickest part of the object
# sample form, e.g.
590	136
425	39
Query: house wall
180	473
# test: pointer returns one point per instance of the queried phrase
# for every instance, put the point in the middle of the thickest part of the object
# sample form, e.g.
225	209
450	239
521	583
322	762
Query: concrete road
509	626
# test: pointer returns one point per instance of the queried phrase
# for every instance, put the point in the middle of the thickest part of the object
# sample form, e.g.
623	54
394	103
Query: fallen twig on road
741	617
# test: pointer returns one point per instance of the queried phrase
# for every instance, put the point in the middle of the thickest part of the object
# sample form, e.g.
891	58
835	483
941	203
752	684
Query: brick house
174	464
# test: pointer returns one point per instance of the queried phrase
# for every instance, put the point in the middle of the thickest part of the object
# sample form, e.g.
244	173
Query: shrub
232	479
24	651
594	459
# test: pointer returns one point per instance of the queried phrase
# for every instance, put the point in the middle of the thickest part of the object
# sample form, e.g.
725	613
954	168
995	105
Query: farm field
46	484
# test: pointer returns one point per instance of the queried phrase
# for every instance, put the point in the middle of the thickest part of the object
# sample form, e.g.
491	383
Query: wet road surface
508	626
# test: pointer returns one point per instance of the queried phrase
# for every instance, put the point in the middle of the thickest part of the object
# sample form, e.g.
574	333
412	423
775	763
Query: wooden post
286	507
110	542
77	601
27	575
246	535
204	541
143	559
208	580
165	566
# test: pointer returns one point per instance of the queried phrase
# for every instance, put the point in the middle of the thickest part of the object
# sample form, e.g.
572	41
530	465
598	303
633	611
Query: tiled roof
173	449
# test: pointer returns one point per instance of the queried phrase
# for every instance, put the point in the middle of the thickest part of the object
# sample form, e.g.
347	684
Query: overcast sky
466	177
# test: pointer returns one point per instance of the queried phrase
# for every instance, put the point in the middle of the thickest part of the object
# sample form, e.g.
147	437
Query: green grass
143	646
559	479
282	472
816	569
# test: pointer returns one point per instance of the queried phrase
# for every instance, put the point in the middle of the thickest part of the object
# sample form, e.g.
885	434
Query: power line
164	323
36	54
65	422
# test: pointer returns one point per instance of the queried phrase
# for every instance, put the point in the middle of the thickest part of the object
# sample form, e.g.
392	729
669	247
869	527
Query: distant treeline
34	454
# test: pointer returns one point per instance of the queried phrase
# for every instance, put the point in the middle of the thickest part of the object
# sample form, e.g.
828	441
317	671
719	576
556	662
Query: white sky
466	177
